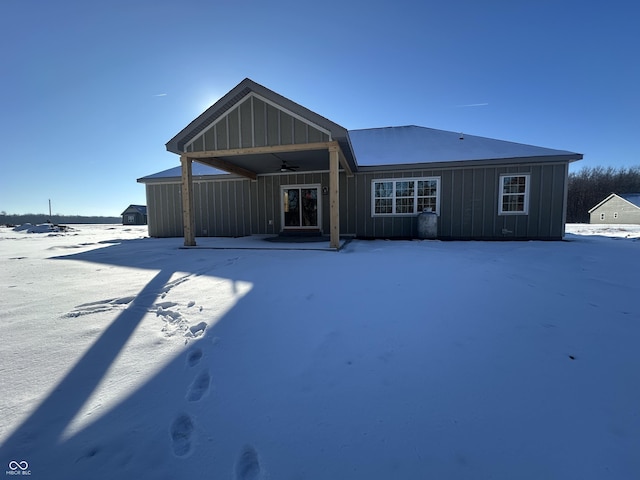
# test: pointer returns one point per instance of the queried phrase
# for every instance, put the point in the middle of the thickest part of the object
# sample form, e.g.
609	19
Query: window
513	195
615	214
602	216
405	196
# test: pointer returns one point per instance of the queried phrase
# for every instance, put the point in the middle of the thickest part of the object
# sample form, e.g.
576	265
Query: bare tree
592	185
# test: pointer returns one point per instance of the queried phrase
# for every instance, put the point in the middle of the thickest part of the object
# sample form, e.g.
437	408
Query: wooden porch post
188	219
334	201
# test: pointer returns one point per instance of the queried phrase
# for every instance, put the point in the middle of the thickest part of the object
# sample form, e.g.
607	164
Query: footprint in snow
197	330
194	357
170	285
181	431
199	387
247	465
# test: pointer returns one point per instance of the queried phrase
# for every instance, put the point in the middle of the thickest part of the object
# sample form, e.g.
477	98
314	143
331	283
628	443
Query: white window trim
602	216
527	188
415	196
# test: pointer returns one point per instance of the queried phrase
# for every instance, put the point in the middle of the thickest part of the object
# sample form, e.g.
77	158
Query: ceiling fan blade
286	167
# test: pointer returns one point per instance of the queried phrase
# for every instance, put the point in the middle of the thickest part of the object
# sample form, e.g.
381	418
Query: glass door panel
309	213
300	207
291	207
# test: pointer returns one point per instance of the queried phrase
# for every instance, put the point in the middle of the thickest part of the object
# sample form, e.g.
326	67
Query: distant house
620	209
135	215
256	162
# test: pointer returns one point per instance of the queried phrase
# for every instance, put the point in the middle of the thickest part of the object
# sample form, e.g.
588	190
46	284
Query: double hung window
405	196
513	198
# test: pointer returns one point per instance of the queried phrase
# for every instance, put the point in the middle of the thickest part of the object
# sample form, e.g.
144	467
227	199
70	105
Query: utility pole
49	209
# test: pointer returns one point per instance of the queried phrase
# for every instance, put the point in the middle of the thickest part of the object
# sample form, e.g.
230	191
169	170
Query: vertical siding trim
564	199
228	209
214	210
552	205
451	201
247	189
239	126
205	214
540	200
233	226
219	221
253	126
495	183
266	126
279	127
262	205
484	203
462	172
473	199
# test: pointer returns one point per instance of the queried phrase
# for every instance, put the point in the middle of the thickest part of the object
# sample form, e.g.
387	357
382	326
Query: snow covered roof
632	198
198	170
142	209
408	146
394	146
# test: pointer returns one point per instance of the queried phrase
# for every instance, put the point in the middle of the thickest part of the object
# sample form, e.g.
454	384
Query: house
617	209
135	215
276	167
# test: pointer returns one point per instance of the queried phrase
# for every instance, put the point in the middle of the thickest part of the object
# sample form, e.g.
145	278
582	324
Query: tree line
36	218
590	186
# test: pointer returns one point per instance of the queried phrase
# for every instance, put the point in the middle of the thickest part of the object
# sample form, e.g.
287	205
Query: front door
301	207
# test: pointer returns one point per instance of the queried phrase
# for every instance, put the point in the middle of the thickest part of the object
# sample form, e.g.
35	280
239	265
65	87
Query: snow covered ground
123	356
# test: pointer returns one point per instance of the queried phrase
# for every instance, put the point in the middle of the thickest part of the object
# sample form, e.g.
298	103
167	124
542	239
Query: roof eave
473	163
196	178
603	202
214	111
609	198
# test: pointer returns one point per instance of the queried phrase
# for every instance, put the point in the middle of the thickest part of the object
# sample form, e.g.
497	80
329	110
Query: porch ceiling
268	163
253	161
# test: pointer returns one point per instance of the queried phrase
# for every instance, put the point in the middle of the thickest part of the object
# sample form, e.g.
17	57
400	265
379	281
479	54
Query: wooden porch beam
188	217
228	167
334	197
298	147
342	158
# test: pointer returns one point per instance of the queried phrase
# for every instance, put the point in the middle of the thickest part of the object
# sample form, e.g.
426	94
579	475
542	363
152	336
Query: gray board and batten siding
255	123
469	204
255	132
228	205
252	116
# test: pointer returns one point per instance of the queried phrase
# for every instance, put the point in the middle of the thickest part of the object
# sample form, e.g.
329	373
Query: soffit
270	163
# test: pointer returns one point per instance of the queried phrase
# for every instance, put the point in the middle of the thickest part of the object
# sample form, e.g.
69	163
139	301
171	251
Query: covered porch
255	135
269	160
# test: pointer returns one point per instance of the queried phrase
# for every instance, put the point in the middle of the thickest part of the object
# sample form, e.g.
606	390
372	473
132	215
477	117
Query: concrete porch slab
265	242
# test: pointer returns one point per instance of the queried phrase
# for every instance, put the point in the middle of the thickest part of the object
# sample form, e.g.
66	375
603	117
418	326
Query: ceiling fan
285	167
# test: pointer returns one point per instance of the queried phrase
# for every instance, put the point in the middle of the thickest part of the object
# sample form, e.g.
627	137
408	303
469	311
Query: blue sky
91	91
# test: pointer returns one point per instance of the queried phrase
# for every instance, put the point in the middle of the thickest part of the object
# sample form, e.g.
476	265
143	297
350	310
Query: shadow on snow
96	450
